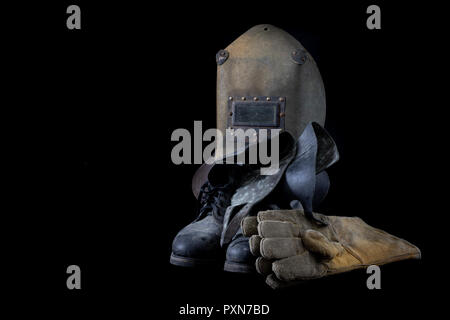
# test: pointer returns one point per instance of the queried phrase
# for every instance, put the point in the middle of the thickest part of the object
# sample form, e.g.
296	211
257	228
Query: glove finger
249	226
263	266
301	267
278	215
275	283
316	242
279	248
278	229
254	243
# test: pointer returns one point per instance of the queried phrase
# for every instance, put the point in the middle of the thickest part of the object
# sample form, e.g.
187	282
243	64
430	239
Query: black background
87	121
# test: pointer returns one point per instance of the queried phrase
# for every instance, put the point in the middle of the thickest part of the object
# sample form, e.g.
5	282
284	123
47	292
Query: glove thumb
316	242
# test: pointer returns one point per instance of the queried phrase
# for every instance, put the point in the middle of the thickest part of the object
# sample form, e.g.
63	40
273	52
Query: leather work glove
293	248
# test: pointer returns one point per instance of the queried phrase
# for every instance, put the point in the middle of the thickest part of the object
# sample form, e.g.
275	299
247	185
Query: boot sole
191	262
238	267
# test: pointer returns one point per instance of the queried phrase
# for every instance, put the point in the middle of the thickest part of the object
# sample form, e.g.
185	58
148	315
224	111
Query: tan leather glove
293	248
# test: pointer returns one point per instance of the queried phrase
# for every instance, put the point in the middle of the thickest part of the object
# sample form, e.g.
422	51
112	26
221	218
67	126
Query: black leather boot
238	256
199	242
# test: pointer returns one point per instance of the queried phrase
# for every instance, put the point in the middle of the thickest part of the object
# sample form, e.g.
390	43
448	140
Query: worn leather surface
199	239
238	250
253	190
316	151
293	248
200	177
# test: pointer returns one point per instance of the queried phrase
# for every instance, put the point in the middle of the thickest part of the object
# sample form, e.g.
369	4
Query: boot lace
214	200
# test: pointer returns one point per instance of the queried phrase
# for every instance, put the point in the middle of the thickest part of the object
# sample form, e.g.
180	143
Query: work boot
198	243
238	256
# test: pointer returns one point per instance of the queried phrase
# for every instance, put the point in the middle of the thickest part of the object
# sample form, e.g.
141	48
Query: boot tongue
222	175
